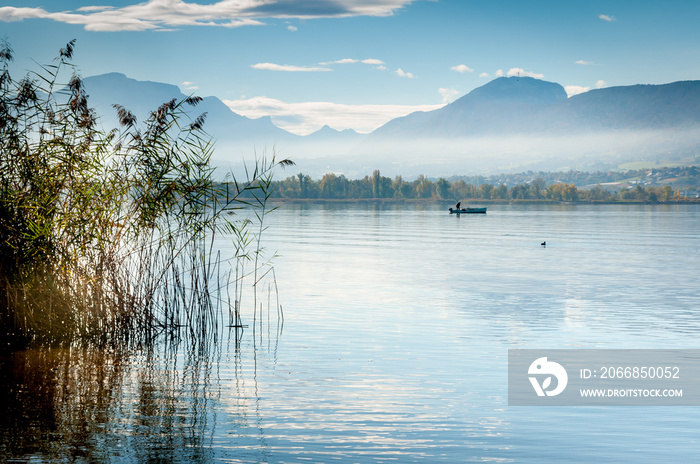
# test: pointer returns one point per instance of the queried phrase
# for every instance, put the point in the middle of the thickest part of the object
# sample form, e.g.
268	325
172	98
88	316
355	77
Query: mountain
518	123
327	133
504	104
674	105
139	97
236	136
524	105
509	124
515	90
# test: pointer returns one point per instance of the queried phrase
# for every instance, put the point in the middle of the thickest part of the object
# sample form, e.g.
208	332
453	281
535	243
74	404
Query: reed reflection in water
93	405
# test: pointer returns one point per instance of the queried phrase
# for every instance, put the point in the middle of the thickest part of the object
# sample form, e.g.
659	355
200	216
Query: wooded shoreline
275	199
536	189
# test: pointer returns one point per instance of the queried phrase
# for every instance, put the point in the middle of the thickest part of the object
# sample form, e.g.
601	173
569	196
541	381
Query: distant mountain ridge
515	90
524	105
233	133
636	107
508	123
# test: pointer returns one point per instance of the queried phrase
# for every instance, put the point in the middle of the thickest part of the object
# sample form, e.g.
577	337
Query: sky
358	63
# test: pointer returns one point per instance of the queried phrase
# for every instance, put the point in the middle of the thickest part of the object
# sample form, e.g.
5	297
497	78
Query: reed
112	236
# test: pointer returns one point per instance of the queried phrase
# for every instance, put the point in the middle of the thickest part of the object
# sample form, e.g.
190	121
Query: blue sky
358	63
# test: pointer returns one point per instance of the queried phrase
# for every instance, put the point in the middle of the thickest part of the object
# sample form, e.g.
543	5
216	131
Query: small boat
468	211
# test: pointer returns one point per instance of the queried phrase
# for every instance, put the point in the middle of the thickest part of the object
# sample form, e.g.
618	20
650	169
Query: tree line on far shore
376	186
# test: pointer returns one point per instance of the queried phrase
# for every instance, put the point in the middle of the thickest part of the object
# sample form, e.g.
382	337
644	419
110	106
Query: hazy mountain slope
665	106
235	135
508	124
504	104
142	97
327	133
139	97
520	123
523	105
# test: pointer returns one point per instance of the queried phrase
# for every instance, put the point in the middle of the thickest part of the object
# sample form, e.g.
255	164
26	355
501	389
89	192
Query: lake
392	348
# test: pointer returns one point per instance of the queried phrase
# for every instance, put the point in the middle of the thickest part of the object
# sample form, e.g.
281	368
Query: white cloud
306	117
11	14
381	67
95	8
187	85
401	73
165	14
607	18
448	95
462	68
379	64
484	75
520	72
151	15
499	73
291	28
584	63
343	61
287	68
572	90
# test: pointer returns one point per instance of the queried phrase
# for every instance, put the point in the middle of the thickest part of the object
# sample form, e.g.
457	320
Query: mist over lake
510	124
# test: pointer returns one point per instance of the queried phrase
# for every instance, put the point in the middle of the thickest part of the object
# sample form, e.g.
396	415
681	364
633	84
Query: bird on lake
544	244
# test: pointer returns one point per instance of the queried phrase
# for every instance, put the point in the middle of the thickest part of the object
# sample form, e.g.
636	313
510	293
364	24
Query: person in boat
458	203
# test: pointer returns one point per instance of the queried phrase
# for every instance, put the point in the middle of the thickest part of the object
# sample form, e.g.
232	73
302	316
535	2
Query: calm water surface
393	348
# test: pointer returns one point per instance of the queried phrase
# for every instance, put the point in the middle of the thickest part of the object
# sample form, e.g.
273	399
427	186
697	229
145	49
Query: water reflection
394	347
159	404
92	405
